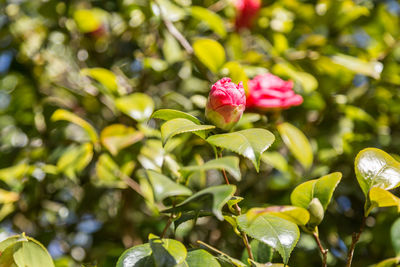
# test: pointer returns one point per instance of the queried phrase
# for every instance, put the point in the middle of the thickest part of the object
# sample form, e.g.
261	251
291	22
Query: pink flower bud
247	11
268	92
226	103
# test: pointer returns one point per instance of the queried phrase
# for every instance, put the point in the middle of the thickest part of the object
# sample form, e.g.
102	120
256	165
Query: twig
174	31
132	184
239	212
354	239
324	251
167	226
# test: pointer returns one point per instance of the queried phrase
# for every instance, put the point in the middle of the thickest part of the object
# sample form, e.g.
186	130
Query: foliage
107	157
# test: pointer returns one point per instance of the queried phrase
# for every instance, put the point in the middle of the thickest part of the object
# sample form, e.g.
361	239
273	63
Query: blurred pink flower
268	91
246	12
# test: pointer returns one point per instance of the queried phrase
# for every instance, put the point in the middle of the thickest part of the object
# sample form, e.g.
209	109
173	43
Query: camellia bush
199	133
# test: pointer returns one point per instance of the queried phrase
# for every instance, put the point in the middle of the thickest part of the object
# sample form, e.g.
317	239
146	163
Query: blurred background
88	57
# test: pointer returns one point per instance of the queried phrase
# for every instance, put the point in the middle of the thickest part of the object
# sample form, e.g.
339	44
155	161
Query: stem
239	212
167	226
324	251
174	31
132	184
354	240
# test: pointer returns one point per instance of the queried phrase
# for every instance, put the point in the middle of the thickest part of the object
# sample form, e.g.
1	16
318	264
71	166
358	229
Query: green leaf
230	164
169	114
392	262
308	82
164	187
376	168
321	188
108	173
75	159
256	264
209	199
178	126
210	53
262	252
62	114
137	256
223	258
379	197
103	76
200	258
31	254
372	68
118	136
394	234
167	252
10	241
297	143
297	215
24	251
250	143
210	18
138	106
276	232
276	160
171	49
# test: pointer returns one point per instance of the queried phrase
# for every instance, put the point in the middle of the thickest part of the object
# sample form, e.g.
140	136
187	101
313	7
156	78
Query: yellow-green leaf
62	114
297	143
210	53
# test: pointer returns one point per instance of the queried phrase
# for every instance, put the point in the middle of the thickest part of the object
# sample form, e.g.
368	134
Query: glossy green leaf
297	215
138	106
170	10
164	187
178	126
209	199
14	174
230	164
169	114
200	258
210	53
62	114
297	143
321	188
167	252
137	256
376	168
250	143
274	231
392	262
394	234
118	136
210	18
379	197
103	76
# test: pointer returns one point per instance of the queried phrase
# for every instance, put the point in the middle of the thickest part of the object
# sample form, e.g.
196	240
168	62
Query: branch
354	240
239	212
174	31
324	252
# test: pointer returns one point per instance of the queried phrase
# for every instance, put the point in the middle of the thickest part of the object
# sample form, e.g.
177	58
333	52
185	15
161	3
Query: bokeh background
343	56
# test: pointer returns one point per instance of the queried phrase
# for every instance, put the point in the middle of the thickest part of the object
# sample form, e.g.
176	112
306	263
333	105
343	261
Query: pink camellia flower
268	92
226	103
247	11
